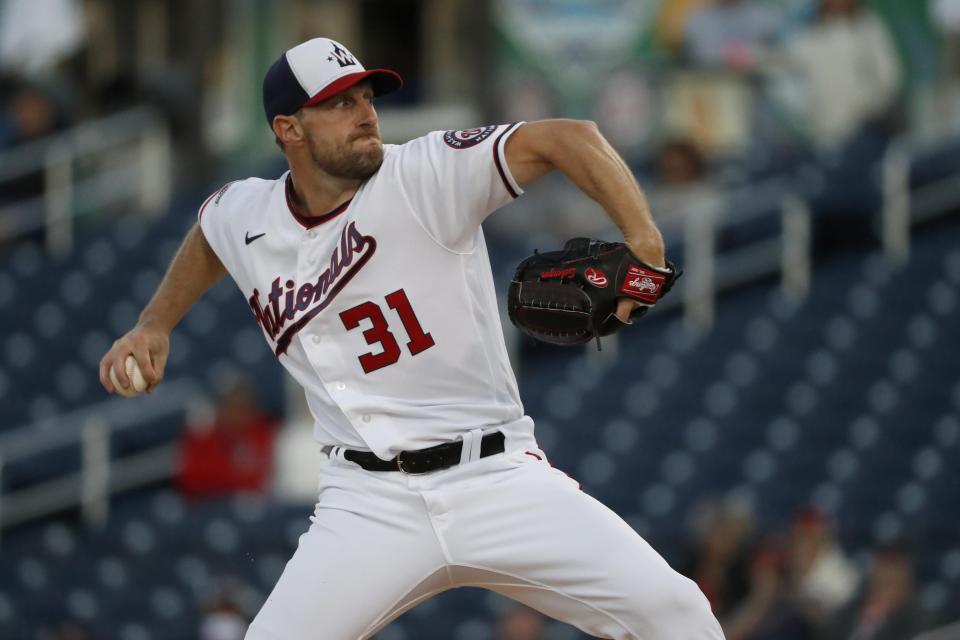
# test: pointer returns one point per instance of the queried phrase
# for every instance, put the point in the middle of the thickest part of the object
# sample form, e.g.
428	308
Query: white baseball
138	384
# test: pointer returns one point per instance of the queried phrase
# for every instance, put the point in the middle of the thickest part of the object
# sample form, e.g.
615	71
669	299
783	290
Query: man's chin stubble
359	166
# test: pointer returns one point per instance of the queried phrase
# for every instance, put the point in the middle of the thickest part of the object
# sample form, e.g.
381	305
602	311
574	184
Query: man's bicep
535	147
213	266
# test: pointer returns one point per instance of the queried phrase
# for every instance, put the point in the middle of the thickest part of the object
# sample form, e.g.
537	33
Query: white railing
100	474
902	206
895	213
708	270
797	238
131	158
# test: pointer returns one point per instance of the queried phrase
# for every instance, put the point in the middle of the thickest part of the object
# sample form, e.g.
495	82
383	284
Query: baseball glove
569	297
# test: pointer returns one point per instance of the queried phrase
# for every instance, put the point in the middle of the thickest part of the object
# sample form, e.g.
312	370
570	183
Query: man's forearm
194	269
598	170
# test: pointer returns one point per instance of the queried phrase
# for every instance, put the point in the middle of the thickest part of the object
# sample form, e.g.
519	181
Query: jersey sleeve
455	179
212	220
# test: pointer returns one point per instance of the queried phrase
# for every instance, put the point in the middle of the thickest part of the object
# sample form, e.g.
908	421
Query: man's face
342	134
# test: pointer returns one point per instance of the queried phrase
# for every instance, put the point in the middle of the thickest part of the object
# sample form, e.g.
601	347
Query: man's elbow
562	137
581	130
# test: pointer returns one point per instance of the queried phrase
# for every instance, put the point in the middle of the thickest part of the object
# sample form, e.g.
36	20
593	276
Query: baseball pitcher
366	270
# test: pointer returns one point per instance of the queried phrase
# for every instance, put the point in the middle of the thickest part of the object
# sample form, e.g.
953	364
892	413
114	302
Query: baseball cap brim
384	81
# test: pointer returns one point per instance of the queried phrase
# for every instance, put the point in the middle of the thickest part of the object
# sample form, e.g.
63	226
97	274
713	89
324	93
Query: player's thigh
368	552
553	547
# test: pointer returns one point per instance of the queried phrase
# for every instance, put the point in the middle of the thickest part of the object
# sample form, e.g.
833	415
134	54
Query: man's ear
287	129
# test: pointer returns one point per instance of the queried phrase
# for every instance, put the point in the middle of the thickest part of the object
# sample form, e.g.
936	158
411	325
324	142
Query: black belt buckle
408	471
423	462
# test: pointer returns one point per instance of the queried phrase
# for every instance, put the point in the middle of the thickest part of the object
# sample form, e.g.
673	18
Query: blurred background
784	427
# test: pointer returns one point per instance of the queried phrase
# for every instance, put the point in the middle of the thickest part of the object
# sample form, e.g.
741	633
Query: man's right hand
148	345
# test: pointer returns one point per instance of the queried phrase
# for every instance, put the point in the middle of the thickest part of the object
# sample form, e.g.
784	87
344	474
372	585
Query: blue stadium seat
99	258
8	290
26	261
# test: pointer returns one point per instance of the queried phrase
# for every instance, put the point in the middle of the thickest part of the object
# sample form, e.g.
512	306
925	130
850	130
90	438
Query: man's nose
368	115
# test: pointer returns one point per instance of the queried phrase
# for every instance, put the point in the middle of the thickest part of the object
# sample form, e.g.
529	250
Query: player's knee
684	612
695	611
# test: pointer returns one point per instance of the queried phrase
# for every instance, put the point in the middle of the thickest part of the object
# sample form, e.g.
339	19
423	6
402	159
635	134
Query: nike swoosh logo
250	238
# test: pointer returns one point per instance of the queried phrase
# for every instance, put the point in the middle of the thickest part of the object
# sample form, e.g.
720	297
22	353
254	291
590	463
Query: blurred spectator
945	15
223	617
233	453
29	114
672	20
729	33
849	72
682	188
847	83
824	578
795	586
887	609
35	35
769	612
721	533
521	623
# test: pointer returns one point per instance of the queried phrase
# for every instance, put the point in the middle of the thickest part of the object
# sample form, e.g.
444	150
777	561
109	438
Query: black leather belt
435	458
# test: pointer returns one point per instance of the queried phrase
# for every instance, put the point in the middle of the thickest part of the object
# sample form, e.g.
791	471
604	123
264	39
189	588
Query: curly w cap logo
342	56
642	284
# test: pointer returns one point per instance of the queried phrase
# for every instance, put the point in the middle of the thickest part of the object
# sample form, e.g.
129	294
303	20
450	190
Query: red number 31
379	331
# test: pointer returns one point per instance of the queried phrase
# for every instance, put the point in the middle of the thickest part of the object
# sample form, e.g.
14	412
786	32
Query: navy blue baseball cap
316	70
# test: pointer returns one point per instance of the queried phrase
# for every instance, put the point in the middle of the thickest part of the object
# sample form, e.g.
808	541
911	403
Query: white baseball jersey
383	309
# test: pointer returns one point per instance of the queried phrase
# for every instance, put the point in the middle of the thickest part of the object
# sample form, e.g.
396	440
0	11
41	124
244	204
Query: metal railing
708	269
904	207
100	474
132	159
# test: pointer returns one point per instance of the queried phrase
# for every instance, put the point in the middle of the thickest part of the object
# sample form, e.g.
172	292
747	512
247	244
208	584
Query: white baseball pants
381	543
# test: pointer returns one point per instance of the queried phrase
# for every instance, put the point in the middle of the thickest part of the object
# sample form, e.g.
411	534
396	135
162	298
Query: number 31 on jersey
379	331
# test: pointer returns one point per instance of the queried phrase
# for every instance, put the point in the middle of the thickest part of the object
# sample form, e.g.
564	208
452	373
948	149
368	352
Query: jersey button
316	339
341	386
312	234
365	418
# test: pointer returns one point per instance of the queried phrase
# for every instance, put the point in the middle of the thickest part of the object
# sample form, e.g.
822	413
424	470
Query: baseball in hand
137	384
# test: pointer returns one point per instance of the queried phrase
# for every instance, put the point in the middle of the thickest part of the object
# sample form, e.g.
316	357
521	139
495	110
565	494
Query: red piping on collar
310	221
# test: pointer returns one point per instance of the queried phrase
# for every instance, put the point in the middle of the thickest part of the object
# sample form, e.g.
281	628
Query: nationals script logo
300	305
